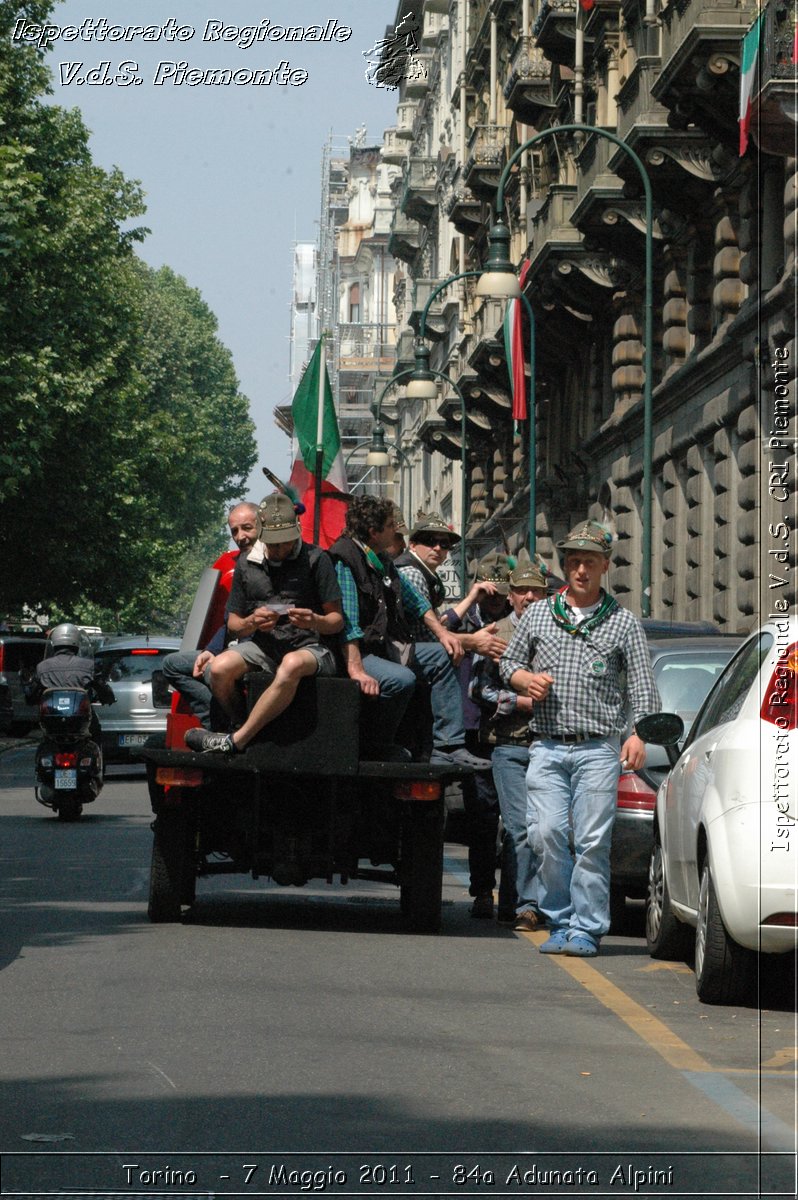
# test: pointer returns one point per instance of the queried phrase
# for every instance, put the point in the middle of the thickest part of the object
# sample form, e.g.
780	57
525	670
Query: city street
279	1030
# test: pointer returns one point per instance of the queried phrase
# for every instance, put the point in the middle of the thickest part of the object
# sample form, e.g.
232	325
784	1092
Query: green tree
124	433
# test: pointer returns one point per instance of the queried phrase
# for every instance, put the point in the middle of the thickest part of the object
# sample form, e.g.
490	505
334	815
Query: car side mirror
661	729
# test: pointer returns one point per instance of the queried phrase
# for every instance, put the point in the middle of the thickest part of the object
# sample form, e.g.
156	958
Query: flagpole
319	443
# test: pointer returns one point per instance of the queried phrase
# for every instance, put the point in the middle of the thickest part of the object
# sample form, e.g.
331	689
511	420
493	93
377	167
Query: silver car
685	668
128	664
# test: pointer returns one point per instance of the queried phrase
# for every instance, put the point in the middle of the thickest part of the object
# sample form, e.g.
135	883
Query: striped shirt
593	674
415	577
414	605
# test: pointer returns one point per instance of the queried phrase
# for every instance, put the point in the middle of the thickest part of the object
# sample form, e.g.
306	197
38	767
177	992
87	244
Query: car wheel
667	938
724	970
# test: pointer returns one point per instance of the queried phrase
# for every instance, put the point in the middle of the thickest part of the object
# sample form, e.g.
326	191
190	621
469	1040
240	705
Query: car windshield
119	665
684	680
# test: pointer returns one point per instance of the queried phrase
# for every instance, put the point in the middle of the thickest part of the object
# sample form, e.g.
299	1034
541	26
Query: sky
231	174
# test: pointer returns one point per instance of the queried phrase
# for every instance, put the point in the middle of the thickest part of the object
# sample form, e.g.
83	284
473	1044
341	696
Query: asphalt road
278	1031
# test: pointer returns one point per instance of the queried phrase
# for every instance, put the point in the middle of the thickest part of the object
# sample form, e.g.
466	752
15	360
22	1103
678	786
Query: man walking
578	656
505	726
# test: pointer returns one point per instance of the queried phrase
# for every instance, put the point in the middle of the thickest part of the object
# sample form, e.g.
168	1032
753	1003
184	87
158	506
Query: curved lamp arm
498	262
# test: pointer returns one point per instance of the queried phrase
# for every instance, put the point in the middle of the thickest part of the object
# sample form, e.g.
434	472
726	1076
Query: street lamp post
499	279
423	373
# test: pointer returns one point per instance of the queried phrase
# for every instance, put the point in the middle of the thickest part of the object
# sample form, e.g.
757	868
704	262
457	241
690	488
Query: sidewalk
10	741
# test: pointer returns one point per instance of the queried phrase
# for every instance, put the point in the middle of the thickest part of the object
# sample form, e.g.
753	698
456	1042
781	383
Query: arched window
354	304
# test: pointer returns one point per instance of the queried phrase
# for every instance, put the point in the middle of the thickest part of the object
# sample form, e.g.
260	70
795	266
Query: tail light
66	758
178	776
418	789
785	918
144	651
634	794
780	705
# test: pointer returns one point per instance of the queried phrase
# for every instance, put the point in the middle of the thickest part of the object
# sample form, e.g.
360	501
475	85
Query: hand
303	618
451	645
264	618
368	685
487	644
479	590
633	753
538	686
201	662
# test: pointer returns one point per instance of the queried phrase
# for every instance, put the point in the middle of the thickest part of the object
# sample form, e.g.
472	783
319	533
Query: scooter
69	763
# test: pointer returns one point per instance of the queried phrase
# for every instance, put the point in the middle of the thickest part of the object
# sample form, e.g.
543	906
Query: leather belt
569	738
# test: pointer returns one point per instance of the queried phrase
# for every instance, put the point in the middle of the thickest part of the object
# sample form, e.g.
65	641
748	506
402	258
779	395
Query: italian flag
318	455
748	72
514	350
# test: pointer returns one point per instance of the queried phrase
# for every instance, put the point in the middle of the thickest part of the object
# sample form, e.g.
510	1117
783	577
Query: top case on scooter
65	712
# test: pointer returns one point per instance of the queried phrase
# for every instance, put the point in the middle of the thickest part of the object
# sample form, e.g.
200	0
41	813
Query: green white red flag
317	437
514	350
748	75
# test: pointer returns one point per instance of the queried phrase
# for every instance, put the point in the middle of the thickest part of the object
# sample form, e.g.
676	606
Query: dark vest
435	586
290	582
380	611
512	730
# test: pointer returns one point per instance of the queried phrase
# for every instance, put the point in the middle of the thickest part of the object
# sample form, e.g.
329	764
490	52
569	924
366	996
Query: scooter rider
64	666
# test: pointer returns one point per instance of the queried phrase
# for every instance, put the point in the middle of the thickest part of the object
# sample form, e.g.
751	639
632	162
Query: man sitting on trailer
286	598
378	647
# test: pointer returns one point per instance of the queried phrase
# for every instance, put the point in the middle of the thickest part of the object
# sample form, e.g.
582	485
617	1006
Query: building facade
663	78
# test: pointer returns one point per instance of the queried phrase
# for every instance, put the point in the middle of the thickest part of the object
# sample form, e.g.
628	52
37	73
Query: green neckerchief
558	610
373	559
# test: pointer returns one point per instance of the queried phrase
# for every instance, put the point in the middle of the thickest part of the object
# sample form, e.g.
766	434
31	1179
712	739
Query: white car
725	856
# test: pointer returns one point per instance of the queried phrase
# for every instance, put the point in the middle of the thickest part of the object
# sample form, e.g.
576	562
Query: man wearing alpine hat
578	656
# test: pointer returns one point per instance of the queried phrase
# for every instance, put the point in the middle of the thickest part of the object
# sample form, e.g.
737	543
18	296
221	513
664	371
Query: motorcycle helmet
65	637
69	637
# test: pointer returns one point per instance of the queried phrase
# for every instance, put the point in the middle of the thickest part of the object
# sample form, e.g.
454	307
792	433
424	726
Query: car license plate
66	780
133	739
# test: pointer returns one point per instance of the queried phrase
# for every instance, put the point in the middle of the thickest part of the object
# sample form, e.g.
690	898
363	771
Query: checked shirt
593	674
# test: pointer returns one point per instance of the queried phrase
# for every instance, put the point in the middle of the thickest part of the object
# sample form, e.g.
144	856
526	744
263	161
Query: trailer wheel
171	870
421	866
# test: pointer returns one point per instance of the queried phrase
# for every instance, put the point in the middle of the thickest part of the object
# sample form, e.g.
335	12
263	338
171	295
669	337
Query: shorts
259	660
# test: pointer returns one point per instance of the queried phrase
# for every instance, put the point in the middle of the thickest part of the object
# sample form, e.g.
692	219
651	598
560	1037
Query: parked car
722	872
19	655
684	669
138	715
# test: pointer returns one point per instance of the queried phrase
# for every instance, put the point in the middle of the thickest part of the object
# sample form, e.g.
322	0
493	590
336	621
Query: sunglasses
431	539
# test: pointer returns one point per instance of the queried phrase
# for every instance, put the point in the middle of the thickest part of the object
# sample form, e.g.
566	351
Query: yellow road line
653	1031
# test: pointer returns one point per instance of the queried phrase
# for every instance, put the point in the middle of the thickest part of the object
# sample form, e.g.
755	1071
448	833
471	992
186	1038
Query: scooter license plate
133	739
66	780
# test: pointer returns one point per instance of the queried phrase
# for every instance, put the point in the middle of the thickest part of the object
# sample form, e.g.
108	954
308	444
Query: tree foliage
124	433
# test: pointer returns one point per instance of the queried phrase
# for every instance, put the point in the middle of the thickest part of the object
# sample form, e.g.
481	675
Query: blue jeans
177	668
574	785
519	860
435	666
397	684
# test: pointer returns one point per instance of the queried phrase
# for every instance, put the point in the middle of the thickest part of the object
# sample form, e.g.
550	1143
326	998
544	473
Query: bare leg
226	670
278	695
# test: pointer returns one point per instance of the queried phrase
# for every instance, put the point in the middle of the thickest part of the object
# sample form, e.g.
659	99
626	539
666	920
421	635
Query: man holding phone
285	597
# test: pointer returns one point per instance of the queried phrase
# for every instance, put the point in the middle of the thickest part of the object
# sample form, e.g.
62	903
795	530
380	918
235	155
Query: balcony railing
486	157
774	116
528	88
555	30
365	347
418	192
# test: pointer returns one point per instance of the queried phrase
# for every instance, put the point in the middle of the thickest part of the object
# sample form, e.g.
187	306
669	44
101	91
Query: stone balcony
487	154
394	147
774	109
554	30
463	207
528	90
418	199
405	238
